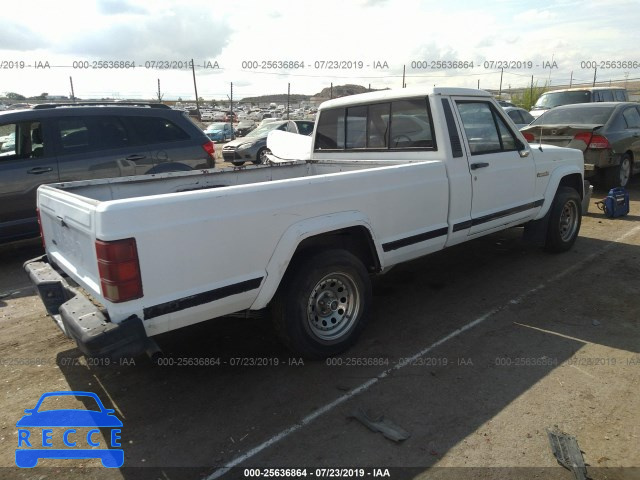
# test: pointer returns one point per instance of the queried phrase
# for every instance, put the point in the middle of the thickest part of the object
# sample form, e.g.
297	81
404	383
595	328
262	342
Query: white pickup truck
388	177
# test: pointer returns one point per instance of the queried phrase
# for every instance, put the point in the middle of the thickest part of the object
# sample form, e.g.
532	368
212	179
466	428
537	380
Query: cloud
115	7
18	37
164	37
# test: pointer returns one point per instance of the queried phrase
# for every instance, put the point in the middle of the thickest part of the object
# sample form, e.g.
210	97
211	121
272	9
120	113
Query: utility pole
571	79
500	90
288	95
331	91
195	87
595	72
231	103
404	69
159	94
531	90
73	95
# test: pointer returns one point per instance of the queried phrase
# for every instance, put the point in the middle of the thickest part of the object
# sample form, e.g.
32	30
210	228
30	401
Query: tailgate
67	222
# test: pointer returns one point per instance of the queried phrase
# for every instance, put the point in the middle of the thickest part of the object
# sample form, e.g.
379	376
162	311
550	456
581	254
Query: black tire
565	218
323	304
238	164
619	175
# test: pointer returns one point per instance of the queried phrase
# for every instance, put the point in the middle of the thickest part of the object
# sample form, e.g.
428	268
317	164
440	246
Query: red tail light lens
599	142
119	270
592	141
210	148
529	137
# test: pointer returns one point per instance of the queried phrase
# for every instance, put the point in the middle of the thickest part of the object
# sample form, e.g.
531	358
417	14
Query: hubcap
333	307
568	220
625	172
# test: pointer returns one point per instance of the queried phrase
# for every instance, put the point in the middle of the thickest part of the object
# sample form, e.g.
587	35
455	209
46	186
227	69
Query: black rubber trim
454	138
421	237
503	213
201	298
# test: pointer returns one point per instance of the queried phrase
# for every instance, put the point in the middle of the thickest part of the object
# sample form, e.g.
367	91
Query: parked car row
253	146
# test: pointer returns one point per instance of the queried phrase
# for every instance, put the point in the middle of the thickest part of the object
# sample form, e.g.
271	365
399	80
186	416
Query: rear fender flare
294	235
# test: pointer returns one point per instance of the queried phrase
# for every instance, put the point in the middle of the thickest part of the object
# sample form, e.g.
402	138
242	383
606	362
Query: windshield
216	127
587	115
264	130
555	99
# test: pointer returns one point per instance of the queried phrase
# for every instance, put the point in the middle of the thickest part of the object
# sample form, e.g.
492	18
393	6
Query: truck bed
177	182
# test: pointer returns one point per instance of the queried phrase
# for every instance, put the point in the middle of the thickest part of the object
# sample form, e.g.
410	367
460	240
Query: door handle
39	170
475	166
136	157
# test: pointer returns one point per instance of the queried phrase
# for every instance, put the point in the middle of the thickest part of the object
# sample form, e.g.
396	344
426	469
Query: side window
111	132
410	124
631	117
21	140
527	117
157	130
620	96
330	131
486	131
73	134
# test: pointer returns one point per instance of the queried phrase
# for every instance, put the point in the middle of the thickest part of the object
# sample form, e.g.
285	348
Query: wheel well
574	181
356	240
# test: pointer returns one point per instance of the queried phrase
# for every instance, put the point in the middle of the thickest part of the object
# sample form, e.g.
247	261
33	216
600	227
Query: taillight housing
40	228
595	142
210	148
529	137
119	270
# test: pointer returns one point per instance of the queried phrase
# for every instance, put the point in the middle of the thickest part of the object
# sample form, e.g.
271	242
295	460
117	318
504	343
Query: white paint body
203	231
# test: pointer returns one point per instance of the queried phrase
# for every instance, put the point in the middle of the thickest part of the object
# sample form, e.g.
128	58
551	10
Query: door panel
503	181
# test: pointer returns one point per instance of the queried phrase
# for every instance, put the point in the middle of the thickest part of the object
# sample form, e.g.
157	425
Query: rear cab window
403	124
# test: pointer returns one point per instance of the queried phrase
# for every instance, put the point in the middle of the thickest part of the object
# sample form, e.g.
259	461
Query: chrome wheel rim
333	307
568	220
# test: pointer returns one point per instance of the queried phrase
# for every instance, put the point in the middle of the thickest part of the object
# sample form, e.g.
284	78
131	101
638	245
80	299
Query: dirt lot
474	351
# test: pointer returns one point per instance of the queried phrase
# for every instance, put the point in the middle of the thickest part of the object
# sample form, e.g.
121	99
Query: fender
553	184
294	235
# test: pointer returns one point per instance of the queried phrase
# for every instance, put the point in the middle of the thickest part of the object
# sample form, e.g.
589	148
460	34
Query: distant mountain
281	99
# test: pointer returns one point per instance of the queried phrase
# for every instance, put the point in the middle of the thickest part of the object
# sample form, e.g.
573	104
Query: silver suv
64	142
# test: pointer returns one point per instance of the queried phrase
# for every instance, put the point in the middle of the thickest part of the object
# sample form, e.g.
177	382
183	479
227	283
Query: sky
365	42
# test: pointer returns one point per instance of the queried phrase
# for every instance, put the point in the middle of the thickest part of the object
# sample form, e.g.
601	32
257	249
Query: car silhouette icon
68	419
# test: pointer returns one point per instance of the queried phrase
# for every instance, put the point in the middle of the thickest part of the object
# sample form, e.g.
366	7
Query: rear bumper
80	319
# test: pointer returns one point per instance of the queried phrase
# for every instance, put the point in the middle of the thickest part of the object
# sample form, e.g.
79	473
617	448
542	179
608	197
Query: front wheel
565	218
261	157
323	304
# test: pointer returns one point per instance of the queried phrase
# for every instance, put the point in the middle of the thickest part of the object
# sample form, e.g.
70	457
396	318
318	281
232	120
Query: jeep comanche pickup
389	176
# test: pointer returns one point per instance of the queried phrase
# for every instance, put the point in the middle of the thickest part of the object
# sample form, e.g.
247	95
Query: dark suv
65	142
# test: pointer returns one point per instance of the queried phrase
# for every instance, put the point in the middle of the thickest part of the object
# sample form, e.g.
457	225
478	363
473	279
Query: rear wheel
565	218
323	304
619	175
238	164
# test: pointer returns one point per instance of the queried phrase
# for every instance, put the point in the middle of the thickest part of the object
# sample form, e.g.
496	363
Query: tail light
595	142
119	270
529	137
210	148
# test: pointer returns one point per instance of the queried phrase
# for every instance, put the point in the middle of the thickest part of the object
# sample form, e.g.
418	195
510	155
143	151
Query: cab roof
399	93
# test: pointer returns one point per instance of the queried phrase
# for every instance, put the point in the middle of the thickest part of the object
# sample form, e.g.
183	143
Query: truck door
502	170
